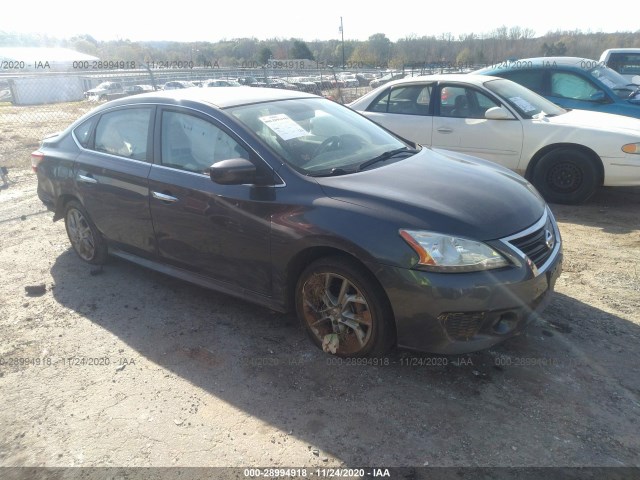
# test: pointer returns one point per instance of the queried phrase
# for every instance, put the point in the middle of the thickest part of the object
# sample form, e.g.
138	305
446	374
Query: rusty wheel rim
337	313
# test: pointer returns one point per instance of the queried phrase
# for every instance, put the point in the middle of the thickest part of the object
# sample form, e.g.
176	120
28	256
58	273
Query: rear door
405	110
111	176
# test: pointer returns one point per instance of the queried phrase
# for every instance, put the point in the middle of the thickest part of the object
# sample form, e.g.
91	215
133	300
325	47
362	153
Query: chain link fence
36	104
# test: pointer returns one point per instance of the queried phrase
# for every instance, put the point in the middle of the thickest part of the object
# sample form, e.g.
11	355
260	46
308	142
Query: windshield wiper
386	156
333	173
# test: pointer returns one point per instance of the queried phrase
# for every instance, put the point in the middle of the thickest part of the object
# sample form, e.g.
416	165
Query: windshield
527	103
317	136
612	79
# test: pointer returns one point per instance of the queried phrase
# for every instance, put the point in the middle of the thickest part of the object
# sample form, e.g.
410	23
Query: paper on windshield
522	104
607	82
283	126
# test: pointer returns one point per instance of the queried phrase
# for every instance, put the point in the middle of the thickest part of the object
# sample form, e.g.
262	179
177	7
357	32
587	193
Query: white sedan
567	155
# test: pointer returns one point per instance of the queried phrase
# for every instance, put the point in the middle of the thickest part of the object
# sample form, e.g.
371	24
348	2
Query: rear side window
404	100
124	133
625	63
83	131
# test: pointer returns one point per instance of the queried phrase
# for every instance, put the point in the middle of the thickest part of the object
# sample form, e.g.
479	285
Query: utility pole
342	32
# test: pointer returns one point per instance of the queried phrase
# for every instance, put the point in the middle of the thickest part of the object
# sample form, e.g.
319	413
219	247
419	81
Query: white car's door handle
445	130
164	197
86	179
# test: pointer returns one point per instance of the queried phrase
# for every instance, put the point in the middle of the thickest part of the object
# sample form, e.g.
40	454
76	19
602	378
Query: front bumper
453	313
461	313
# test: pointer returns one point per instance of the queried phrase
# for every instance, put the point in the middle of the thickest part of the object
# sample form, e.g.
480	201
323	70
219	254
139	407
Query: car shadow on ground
611	209
539	399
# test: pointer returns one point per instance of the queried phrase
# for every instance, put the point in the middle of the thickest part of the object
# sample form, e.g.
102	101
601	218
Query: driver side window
568	85
193	144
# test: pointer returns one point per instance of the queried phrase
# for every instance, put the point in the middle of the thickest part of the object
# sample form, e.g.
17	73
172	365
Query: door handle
86	179
445	130
164	197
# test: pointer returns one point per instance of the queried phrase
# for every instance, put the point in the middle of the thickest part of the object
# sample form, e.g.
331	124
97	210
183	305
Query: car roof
221	98
445	77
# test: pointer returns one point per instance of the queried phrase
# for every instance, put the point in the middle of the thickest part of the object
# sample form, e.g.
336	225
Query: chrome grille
538	242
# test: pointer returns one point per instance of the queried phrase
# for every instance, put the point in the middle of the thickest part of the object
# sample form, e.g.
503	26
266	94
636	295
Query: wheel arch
555	146
302	259
61	204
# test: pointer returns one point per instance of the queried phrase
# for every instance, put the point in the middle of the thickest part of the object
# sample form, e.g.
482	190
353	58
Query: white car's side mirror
498	113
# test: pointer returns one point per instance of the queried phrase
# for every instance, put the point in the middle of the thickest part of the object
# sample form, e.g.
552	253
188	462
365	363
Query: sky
307	20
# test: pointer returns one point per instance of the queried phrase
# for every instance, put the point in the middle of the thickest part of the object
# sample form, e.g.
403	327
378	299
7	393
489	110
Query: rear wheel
85	238
566	175
342	309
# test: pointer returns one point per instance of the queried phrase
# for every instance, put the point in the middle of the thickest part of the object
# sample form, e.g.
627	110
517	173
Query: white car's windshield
527	103
319	137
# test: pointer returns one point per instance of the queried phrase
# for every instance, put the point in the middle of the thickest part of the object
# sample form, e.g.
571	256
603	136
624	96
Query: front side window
124	133
193	144
464	102
568	85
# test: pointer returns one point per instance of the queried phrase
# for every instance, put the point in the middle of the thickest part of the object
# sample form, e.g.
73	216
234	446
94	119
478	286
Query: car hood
444	192
597	120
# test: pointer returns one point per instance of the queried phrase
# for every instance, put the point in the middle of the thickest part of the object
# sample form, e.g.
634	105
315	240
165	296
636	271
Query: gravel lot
127	367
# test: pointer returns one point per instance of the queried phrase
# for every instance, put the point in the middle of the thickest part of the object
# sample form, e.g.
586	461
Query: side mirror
598	97
236	171
498	113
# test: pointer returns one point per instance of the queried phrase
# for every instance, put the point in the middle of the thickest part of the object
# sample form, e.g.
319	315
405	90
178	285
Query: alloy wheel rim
80	234
337	313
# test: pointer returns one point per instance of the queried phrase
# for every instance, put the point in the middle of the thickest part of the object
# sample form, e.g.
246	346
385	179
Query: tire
356	323
85	238
566	175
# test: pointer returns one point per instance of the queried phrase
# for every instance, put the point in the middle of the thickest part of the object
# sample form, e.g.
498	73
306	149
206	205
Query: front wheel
342	309
85	238
566	175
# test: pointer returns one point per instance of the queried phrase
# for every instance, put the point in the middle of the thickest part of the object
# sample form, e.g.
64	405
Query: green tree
264	55
300	50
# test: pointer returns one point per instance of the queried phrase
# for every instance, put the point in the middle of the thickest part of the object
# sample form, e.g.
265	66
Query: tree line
377	51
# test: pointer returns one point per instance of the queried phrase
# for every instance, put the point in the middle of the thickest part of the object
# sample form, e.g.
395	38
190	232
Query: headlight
633	148
444	253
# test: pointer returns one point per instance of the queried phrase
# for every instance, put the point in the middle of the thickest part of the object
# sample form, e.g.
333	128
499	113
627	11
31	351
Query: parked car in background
300	204
136	89
275	82
178	85
573	82
625	61
251	82
305	84
350	80
364	79
376	82
567	155
102	91
218	82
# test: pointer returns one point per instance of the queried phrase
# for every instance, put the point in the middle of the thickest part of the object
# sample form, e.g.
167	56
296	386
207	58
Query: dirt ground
127	367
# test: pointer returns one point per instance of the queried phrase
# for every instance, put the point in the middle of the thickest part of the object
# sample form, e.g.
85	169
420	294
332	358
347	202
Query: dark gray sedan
299	204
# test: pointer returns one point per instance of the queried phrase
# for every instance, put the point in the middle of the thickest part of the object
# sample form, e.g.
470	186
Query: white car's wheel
566	175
